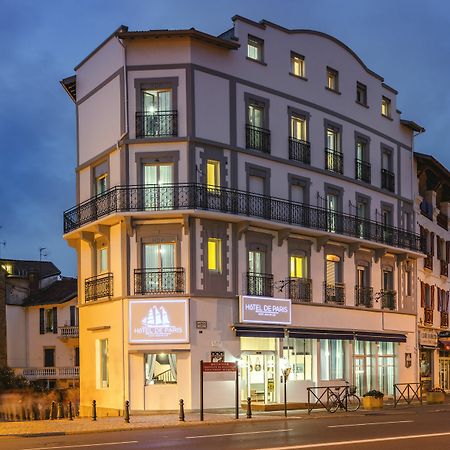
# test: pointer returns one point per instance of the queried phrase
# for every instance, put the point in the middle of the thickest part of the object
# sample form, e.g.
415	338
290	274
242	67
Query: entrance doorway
444	373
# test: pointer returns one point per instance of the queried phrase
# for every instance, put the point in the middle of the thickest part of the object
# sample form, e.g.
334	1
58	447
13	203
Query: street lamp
286	370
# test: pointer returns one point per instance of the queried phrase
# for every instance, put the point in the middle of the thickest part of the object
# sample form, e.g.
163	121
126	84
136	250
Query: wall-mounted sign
158	321
428	338
219	367
264	310
201	324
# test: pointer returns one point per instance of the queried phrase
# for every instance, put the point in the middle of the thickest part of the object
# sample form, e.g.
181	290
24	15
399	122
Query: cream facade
242	171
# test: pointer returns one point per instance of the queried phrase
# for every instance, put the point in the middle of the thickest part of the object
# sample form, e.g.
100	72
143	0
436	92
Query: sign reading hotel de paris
264	310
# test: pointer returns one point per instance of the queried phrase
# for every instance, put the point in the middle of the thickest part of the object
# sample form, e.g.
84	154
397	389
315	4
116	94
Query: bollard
249	408
52	411
60	411
94	410
127	411
69	412
181	414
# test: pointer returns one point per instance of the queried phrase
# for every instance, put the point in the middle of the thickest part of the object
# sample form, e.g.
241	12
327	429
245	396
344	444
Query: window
298	128
297	65
332	359
332	79
49	357
298	193
361	93
215	255
76	356
334	288
385	107
101	184
297	266
212	175
257	132
48	320
102	364
332	274
333	157
102	260
332	202
299	353
256	115
73	316
362	166
255	48
160	368
157	117
156	176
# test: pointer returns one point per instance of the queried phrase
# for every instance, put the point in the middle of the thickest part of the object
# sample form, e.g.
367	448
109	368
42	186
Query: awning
313	333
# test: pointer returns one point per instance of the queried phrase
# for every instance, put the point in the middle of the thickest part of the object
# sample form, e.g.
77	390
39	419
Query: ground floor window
160	368
332	359
426	368
299	354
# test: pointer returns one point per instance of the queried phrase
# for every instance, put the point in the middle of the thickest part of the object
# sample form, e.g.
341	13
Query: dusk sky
406	42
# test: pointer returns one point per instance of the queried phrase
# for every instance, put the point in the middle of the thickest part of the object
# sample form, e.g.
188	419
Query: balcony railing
99	286
389	299
159	281
230	201
257	138
442	221
334	160
362	170
387	180
444	319
428	316
157	124
299	150
300	289
334	293
364	296
444	268
68	331
259	284
428	262
34	373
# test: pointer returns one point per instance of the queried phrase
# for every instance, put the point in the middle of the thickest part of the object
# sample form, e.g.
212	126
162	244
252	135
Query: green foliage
374	393
9	380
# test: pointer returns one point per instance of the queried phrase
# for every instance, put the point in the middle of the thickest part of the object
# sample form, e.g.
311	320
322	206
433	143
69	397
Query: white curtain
150	361
173	365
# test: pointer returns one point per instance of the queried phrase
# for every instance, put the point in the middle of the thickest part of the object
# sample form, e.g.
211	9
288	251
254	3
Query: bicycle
349	401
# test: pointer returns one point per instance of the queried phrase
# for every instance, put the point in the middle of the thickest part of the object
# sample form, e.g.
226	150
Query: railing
334	160
362	170
259	284
442	221
159	281
364	296
444	319
388	299
161	123
387	180
407	392
257	138
444	268
230	201
428	316
334	293
98	286
319	396
300	289
68	331
299	150
49	372
428	262
164	377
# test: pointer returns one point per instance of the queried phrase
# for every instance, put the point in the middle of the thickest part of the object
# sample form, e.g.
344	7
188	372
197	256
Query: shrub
9	380
374	393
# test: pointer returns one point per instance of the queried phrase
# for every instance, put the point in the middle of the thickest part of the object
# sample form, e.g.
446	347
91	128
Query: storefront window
160	368
299	354
102	364
386	367
332	359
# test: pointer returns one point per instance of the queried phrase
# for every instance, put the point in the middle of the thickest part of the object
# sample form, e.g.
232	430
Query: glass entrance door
444	373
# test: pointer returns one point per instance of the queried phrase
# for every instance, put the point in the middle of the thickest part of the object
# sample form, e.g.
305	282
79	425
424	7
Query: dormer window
255	48
297	65
332	79
385	107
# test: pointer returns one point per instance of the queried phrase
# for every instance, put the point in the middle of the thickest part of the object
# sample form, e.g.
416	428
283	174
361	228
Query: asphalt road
413	428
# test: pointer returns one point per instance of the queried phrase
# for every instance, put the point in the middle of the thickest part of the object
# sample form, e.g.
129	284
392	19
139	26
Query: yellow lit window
215	255
212	174
332	79
297	267
102	261
298	128
297	65
7	268
385	107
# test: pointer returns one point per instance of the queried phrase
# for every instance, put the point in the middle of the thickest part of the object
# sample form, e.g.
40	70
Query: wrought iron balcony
334	160
259	284
157	124
388	299
334	293
257	138
159	281
68	331
428	316
151	198
444	268
428	262
362	170
300	289
388	180
364	296
299	150
442	221
99	286
444	319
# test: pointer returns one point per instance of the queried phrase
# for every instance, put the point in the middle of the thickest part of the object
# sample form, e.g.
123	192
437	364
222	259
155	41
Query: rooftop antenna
42	253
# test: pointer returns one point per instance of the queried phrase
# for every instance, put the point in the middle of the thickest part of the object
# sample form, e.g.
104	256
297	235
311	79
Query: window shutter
432	297
41	321
422	294
55	320
432	244
448	251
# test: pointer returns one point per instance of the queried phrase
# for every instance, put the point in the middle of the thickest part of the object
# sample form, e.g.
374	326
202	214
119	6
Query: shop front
444	360
428	342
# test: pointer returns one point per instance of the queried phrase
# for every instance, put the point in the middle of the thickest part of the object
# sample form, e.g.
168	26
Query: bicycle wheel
353	402
333	403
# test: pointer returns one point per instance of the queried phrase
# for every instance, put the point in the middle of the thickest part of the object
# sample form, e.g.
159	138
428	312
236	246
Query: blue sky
406	42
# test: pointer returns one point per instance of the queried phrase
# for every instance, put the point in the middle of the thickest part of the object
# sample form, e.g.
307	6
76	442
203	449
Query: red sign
219	367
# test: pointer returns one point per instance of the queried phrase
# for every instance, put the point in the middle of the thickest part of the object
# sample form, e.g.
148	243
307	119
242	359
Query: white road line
83	445
237	434
361	441
369	423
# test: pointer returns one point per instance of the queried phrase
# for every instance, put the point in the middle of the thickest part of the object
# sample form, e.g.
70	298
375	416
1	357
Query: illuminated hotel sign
264	310
158	321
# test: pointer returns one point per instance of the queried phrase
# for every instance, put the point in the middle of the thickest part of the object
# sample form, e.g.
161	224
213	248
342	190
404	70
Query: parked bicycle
346	399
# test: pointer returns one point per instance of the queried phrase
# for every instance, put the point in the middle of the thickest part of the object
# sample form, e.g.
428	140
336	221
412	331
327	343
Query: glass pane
150	174
256	262
332	140
167	252
255	115
297	267
298	128
151	256
297	194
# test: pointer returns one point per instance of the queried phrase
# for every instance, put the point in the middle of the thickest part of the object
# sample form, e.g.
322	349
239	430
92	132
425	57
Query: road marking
369	423
360	441
83	445
237	434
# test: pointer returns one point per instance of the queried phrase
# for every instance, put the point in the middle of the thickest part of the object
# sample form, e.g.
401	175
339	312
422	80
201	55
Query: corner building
246	197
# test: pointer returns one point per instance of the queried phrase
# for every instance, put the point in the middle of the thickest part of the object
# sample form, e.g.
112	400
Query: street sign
219	367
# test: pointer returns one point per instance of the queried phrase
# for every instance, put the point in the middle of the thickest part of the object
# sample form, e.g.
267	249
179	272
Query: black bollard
181	414
60	411
69	412
94	410
127	411
52	411
249	408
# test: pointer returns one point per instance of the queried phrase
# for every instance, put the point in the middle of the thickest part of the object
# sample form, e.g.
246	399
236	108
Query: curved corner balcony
193	196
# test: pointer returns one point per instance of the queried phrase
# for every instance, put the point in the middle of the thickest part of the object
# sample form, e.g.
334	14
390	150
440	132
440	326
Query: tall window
385	107
299	353
332	359
255	48
156	177
102	259
102	364
333	156
361	93
256	261
159	256
297	266
256	115
298	128
332	207
297	65
49	357
386	367
333	140
212	175
48	320
333	273
76	356
215	255
332	79
101	184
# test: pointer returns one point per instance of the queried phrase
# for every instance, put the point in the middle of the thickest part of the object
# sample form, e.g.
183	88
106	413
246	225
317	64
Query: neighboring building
41	322
433	211
248	196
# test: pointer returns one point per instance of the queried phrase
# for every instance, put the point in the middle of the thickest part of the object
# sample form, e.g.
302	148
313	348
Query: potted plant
435	396
373	399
